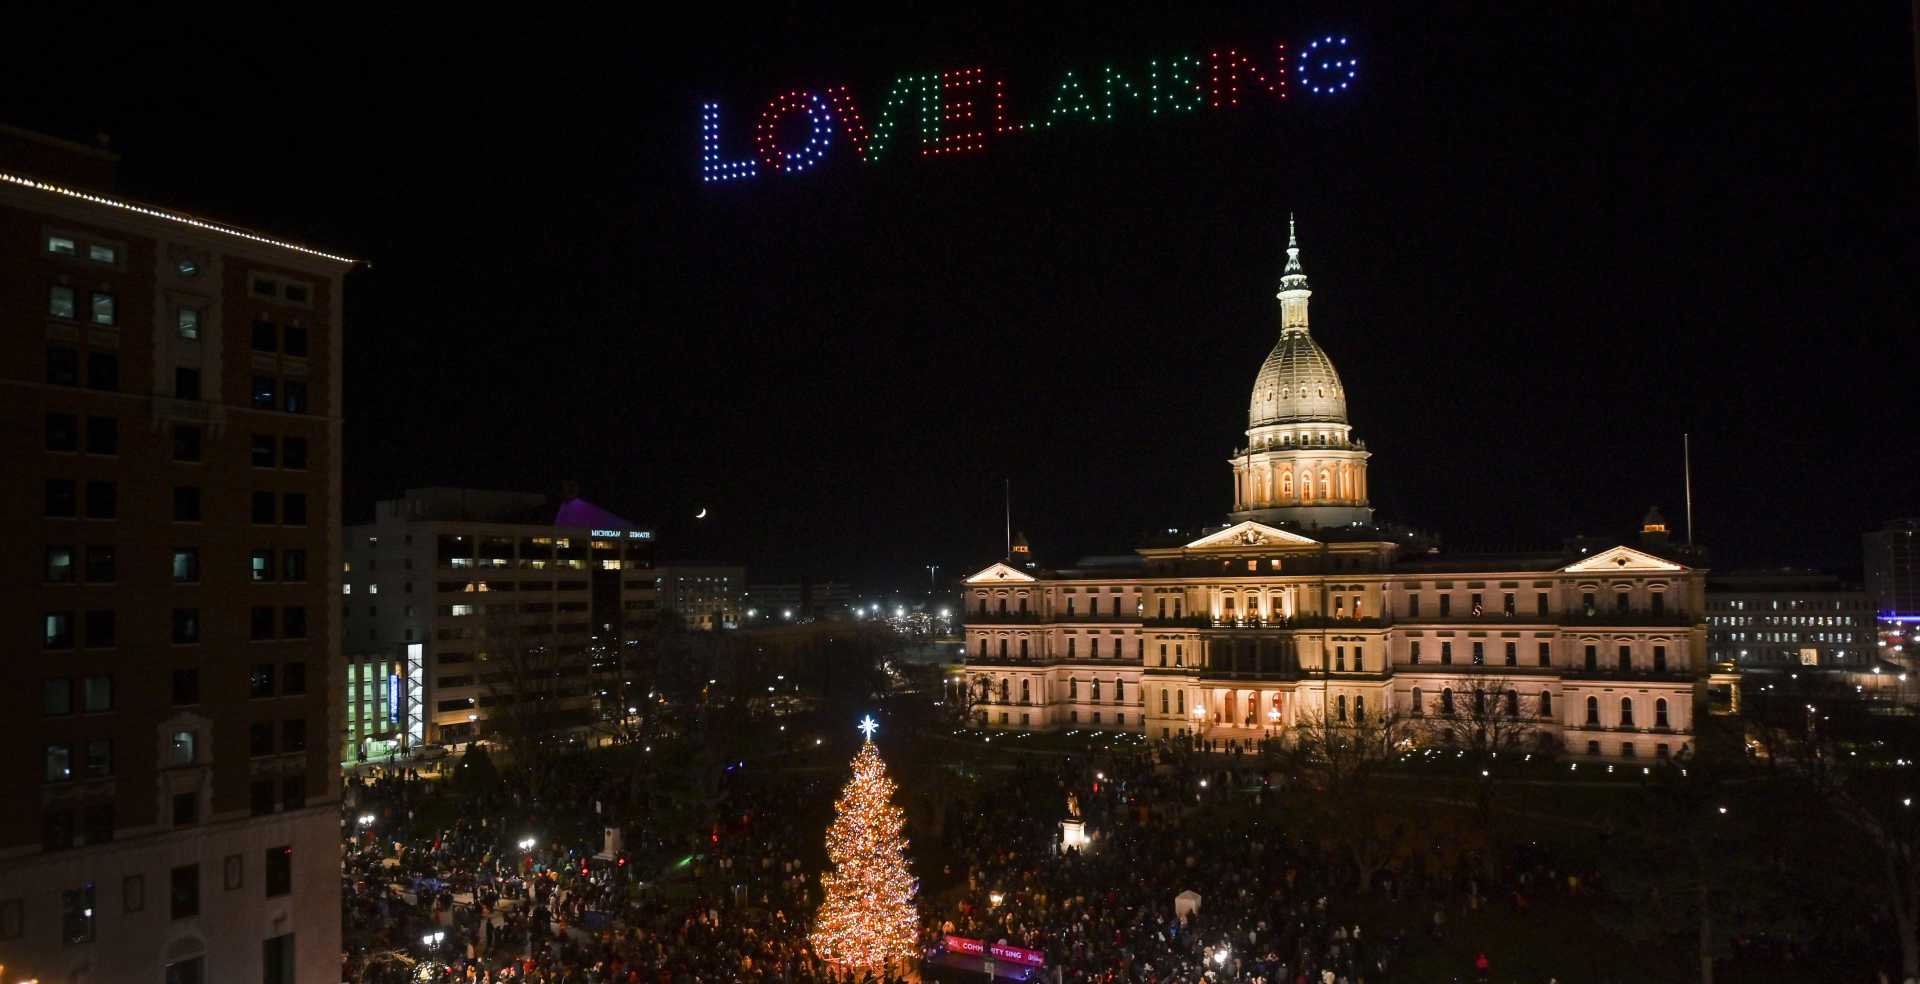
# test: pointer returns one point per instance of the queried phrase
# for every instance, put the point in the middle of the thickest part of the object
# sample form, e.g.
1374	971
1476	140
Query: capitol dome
1297	384
1300	465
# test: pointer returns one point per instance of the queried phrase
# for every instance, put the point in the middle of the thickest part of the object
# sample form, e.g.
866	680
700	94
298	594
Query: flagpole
1686	454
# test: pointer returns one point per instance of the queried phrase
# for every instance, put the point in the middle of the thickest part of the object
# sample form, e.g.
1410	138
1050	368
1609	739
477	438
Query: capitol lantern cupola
1301	466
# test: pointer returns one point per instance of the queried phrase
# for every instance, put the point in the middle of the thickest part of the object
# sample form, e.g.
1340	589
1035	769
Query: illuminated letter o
767	137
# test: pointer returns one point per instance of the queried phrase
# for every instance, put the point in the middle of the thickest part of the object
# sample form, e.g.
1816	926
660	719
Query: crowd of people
1270	899
517	883
520	886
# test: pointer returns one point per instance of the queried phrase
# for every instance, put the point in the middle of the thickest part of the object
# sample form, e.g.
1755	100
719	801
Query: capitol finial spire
1295	276
1293	285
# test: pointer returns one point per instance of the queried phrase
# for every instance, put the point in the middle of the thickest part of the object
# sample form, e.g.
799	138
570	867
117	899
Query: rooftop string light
156	213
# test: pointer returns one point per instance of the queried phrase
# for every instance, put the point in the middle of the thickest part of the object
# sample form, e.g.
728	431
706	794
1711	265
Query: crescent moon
702	514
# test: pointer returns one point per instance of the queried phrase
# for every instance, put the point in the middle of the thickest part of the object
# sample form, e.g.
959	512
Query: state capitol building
1301	609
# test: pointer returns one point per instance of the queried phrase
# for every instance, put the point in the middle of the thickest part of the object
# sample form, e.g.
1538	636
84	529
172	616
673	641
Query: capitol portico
1300	609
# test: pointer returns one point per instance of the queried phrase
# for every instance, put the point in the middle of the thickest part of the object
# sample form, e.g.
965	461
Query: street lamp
994	899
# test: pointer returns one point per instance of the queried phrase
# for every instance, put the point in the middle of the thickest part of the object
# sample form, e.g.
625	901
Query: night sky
1541	249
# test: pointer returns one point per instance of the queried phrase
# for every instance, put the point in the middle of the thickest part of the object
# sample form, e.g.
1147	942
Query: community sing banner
967	110
999	951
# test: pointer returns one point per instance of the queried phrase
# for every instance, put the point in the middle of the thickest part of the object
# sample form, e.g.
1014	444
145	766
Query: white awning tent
1185	904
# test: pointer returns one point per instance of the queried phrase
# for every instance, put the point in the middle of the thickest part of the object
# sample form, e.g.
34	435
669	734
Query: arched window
1119	690
1180	702
1005	688
1073	688
1480	704
1593	710
1163	702
1660	713
1546	703
1286	485
1093	687
1326	484
1446	702
1419	709
1513	703
983	639
1342	705
1359	708
1626	712
1026	691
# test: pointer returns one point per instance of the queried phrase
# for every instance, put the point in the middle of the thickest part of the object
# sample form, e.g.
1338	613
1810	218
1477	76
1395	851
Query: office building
705	596
172	388
468	611
775	601
1892	555
1788	618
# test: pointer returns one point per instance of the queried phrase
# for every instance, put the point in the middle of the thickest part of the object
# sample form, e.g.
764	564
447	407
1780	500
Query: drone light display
966	110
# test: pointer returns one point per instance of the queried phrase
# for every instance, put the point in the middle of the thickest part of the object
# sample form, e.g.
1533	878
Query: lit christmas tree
868	917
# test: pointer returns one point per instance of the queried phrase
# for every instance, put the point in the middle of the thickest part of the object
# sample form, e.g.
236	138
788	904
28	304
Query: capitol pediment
1250	534
1002	574
1621	559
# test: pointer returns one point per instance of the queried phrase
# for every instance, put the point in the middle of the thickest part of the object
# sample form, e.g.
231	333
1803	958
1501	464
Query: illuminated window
60	302
62	246
102	254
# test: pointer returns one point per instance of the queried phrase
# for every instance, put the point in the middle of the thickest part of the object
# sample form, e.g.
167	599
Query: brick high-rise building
171	387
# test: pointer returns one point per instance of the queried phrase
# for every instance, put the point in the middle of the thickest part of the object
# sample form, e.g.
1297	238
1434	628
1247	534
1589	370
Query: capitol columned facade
1300	609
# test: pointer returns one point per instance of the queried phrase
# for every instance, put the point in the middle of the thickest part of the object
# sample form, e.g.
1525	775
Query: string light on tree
868	918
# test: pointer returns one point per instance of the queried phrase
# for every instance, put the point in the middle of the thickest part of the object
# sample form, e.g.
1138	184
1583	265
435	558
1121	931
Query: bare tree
535	683
1705	843
1863	767
626	705
384	966
1485	716
1344	759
